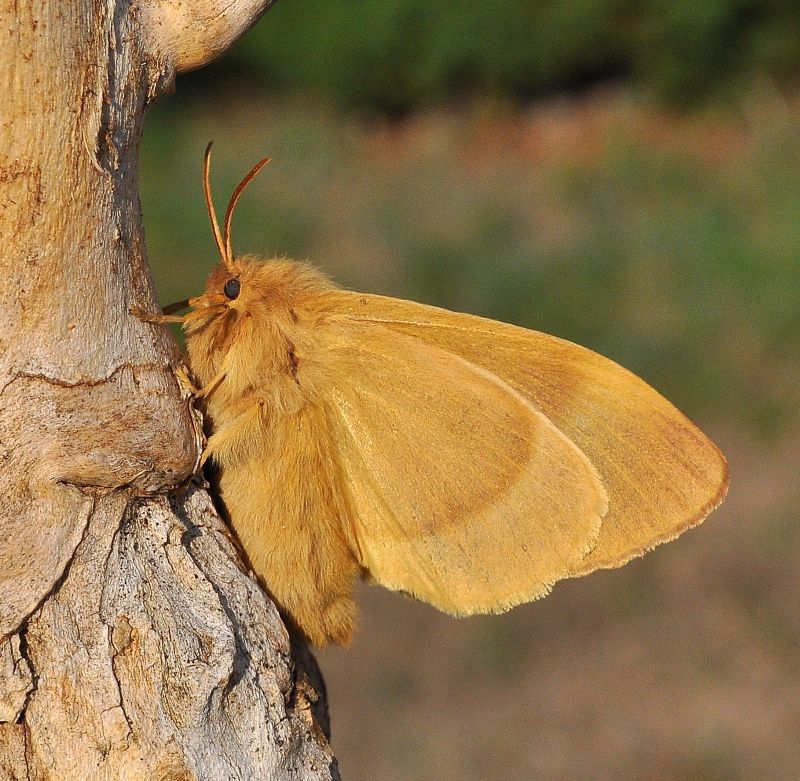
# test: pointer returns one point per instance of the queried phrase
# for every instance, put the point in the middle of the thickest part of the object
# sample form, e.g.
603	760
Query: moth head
246	285
243	295
227	287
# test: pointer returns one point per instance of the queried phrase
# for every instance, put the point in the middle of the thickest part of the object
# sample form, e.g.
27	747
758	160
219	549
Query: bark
133	645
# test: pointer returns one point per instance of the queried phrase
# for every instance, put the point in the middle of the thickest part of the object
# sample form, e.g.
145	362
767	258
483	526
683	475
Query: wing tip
721	483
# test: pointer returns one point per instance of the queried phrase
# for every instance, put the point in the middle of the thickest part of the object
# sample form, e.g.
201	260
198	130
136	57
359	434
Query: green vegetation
395	54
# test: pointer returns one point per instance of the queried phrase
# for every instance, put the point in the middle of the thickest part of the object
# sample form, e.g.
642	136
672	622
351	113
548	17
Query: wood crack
83	382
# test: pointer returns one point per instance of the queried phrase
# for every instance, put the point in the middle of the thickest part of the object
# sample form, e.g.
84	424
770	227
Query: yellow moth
469	463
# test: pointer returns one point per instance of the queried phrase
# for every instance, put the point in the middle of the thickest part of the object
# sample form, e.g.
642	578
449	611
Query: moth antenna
212	212
232	205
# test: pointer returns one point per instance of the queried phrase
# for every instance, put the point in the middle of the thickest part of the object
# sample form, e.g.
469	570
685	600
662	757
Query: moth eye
232	288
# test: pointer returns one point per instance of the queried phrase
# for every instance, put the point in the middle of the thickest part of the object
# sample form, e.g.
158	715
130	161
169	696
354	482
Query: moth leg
185	381
220	439
156	319
186	384
210	387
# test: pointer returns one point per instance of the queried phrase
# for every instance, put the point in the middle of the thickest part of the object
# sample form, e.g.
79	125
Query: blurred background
623	174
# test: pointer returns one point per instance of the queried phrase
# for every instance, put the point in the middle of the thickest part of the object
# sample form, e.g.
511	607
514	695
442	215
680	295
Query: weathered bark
132	643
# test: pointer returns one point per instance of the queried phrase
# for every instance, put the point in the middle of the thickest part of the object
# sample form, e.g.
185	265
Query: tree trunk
133	645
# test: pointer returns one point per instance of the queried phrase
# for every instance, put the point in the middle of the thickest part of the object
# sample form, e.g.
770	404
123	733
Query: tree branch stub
190	34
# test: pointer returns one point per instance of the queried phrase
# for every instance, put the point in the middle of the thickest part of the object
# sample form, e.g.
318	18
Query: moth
469	463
